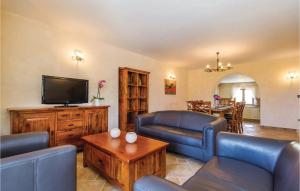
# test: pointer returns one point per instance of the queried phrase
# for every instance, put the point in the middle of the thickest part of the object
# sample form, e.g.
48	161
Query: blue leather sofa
189	133
27	164
243	163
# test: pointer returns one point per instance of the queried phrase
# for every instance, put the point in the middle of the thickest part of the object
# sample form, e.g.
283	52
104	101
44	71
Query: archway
242	88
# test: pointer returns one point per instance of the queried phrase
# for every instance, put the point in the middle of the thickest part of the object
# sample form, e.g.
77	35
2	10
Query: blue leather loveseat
242	163
189	133
27	164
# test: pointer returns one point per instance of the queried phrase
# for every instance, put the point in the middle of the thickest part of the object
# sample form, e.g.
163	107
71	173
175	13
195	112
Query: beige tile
179	169
254	129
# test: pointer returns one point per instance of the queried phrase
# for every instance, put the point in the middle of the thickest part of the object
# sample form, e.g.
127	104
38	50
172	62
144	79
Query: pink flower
101	83
217	97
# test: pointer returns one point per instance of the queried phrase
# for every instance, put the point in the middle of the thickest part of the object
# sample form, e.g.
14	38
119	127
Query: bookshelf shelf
133	96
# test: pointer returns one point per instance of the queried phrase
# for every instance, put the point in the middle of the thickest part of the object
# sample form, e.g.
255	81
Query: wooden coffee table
122	163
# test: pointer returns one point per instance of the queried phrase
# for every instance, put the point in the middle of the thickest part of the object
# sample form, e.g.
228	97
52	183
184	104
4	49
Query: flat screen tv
60	90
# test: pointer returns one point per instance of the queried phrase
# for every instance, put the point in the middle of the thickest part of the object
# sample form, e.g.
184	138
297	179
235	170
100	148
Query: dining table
221	110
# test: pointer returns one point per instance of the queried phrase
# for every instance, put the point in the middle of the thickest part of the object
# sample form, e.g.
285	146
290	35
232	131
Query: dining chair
191	105
203	107
235	119
240	110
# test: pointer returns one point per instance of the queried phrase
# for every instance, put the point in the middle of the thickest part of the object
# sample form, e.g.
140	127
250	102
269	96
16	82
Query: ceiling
180	32
236	78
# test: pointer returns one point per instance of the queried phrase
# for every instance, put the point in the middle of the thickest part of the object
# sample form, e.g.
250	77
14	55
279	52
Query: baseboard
251	120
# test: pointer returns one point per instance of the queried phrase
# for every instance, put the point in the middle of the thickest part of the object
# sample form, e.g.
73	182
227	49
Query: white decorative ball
115	132
131	137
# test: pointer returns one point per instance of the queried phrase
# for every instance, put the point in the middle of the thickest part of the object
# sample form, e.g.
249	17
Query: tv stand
65	106
66	125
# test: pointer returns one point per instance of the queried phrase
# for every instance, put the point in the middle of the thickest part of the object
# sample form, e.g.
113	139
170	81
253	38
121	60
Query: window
246	95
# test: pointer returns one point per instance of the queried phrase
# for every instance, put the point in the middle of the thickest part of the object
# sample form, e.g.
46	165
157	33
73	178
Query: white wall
31	49
279	104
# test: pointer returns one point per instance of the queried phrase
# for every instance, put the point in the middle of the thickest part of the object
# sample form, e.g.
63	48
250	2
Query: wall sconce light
171	76
78	56
292	75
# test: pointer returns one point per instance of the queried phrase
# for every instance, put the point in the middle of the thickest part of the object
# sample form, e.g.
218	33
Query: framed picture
170	87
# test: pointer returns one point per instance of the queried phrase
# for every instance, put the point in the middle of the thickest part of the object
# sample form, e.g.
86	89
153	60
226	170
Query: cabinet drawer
101	161
66	125
69	136
77	115
63	115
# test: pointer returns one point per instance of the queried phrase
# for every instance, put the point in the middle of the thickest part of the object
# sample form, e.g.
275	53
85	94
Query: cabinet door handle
70	125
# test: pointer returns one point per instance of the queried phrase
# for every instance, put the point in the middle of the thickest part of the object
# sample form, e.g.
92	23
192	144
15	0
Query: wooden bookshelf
133	96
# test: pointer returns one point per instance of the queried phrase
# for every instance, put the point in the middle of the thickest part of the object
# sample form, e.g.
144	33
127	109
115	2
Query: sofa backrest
286	175
183	119
258	151
168	118
195	121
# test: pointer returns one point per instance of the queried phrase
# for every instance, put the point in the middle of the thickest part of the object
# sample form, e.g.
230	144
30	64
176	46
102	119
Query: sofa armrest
210	132
258	151
22	143
220	124
154	183
144	119
43	170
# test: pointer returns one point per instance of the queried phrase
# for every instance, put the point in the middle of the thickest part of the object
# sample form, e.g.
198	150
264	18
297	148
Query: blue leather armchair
243	163
28	164
188	133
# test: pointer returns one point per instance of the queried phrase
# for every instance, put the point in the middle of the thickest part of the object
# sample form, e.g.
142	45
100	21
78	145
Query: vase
97	102
115	132
131	137
216	103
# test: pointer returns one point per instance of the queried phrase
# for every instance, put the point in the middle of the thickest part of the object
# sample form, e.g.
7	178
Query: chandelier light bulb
220	67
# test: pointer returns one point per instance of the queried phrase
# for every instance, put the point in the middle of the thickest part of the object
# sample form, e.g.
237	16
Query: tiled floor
179	168
254	129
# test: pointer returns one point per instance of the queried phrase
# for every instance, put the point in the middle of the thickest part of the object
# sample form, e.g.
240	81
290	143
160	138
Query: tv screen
60	90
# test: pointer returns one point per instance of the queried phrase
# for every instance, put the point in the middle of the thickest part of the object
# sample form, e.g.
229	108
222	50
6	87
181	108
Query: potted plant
97	99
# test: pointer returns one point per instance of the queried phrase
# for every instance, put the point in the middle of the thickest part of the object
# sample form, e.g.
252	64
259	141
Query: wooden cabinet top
33	109
134	70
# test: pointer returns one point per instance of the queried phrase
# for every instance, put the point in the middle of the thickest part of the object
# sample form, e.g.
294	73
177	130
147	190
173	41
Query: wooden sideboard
65	125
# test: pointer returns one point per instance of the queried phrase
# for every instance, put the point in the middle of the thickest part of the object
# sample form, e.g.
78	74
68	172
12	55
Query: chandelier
220	67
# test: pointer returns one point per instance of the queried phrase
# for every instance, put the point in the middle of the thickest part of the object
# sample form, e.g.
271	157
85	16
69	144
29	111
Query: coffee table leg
127	179
85	152
163	163
128	170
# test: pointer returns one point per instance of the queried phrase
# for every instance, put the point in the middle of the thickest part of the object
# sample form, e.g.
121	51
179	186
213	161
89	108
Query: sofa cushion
195	121
171	134
168	118
225	174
